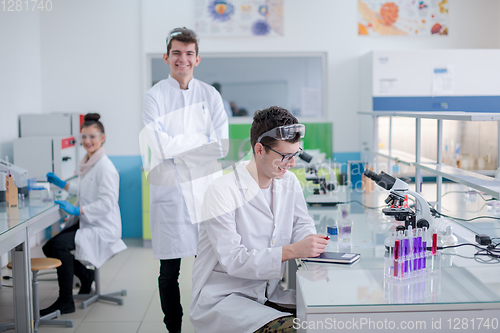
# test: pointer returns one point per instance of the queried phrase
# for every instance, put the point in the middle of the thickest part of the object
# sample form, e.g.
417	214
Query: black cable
435	212
475	258
482	252
468	211
469	192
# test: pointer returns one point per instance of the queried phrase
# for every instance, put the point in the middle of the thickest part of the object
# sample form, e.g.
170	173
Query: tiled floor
135	270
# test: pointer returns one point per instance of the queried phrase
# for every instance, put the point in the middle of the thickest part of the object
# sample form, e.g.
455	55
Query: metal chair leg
4	327
96	296
47	319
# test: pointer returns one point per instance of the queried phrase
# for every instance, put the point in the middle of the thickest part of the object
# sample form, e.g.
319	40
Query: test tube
415	251
391	245
396	257
406	251
419	247
410	248
434	242
424	246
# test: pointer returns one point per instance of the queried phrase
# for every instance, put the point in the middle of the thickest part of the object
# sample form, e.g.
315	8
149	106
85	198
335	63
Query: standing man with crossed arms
184	116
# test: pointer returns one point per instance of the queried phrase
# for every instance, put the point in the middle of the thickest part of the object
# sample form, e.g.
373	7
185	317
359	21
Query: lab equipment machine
40	155
19	174
398	191
54	124
431	80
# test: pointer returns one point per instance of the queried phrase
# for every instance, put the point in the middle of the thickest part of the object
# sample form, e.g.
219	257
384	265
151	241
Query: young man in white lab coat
256	220
182	116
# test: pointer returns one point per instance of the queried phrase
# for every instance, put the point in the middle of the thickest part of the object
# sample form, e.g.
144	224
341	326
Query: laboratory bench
463	294
18	225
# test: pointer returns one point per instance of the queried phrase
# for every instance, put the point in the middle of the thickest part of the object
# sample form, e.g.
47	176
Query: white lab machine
431	80
40	155
19	174
53	124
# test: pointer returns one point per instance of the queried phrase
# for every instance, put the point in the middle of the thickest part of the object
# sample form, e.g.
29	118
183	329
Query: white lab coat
179	125
100	232
238	266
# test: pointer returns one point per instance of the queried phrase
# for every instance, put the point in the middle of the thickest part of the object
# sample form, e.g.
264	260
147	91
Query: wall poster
403	17
231	18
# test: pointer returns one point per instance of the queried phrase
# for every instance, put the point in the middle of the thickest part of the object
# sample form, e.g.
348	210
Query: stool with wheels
38	264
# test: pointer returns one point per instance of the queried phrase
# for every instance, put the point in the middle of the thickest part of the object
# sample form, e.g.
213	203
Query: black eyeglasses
285	158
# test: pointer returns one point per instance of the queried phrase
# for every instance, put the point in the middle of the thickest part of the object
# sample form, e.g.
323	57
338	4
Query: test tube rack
413	290
408	257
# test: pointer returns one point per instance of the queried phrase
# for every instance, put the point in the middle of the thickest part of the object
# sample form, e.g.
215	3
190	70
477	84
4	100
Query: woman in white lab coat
94	228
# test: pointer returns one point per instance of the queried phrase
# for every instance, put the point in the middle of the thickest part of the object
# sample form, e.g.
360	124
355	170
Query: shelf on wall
444	115
478	181
403	157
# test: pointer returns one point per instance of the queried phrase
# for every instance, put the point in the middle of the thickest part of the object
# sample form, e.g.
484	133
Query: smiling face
92	139
182	60
269	164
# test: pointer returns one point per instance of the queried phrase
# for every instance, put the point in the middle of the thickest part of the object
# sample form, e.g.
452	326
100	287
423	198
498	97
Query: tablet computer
335	257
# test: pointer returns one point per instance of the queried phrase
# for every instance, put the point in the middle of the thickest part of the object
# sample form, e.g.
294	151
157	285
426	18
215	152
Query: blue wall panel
344	157
129	168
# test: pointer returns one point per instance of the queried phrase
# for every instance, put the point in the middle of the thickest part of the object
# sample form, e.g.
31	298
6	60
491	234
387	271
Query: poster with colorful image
403	17
239	17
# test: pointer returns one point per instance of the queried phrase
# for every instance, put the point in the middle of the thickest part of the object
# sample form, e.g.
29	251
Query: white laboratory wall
20	73
91	62
93	57
330	26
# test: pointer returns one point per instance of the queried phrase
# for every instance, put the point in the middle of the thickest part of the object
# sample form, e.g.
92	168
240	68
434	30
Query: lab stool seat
40	264
97	295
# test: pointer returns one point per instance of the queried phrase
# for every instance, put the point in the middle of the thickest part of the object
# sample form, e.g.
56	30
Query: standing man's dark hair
182	35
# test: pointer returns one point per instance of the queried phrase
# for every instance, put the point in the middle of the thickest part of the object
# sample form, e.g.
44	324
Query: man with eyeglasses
255	220
183	116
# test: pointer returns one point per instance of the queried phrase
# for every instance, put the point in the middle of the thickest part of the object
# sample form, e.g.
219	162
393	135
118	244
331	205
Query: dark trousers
60	247
170	297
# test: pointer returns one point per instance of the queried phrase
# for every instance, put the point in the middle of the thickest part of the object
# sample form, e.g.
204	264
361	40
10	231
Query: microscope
324	194
398	189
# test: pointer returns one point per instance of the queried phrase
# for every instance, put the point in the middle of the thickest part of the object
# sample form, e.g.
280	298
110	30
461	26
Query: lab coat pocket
220	285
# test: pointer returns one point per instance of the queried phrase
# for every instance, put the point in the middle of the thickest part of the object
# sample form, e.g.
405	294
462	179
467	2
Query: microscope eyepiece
383	180
372	175
305	157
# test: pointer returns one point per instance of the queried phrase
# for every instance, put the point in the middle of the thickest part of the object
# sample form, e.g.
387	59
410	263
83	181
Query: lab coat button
272	242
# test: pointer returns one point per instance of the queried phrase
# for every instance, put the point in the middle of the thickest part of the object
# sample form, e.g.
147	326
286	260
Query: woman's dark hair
92	119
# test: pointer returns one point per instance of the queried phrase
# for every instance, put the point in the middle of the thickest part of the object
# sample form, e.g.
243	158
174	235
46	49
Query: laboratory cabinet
40	155
431	80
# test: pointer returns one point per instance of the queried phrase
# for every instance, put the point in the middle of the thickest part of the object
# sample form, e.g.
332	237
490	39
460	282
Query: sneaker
86	287
63	306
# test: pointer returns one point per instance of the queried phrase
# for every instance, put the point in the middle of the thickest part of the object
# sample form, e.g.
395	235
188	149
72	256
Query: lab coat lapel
277	193
251	190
